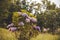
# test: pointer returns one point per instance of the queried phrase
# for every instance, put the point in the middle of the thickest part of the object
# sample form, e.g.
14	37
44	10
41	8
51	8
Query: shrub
24	22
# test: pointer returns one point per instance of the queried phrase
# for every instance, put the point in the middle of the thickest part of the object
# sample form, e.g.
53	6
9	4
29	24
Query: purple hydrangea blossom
21	24
12	29
10	25
24	15
36	28
27	20
33	20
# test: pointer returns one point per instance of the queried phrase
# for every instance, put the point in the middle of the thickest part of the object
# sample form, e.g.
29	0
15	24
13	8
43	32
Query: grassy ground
6	35
46	36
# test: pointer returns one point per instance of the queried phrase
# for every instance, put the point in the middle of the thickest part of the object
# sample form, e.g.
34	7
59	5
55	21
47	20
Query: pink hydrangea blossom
33	20
24	15
36	28
10	25
12	29
27	20
21	24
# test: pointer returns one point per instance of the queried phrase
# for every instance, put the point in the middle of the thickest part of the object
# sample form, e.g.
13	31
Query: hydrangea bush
24	23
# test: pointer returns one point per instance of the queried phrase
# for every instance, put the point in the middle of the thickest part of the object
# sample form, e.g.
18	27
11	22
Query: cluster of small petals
10	25
27	20
24	15
21	23
33	20
12	29
36	28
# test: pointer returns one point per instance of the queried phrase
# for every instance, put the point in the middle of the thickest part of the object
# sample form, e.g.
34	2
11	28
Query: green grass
6	35
46	36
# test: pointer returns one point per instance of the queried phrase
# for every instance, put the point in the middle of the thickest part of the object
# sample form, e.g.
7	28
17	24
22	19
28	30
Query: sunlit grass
45	37
6	35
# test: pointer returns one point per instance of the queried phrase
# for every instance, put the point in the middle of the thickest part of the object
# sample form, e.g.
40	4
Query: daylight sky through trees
57	2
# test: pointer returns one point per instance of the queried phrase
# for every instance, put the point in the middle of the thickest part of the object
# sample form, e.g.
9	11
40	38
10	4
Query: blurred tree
4	6
23	4
49	17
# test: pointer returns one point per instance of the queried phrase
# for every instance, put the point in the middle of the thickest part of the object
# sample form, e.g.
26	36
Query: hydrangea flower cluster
33	20
27	20
11	27
36	28
24	18
24	15
21	23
